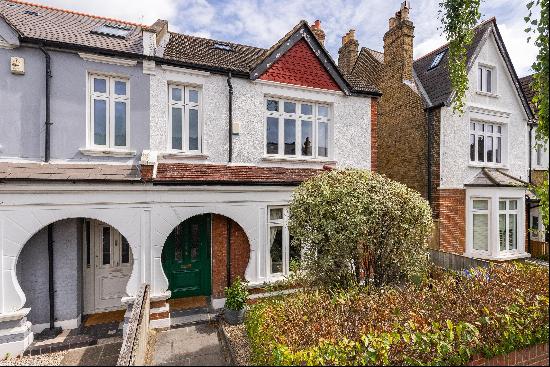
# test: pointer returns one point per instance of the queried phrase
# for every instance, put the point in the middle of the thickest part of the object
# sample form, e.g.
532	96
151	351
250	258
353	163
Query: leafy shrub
444	321
236	295
356	224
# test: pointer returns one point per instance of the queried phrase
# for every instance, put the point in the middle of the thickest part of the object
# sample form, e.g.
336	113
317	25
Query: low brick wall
536	355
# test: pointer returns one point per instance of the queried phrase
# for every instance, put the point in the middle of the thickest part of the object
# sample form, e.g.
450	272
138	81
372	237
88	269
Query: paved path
97	355
195	345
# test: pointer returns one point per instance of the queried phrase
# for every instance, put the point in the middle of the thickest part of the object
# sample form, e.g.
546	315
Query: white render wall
350	131
506	108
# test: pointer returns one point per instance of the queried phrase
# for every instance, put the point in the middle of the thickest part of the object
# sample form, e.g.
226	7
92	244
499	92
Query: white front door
107	267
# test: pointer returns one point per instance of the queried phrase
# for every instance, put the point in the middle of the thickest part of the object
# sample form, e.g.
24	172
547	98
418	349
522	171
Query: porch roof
223	174
68	172
494	177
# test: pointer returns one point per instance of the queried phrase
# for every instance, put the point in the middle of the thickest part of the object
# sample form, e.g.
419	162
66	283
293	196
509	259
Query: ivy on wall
458	18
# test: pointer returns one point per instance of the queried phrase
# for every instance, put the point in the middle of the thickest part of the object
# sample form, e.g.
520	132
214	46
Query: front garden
367	294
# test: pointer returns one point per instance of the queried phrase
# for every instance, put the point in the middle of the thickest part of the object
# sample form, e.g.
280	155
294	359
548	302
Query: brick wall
536	355
452	220
374	134
300	66
240	253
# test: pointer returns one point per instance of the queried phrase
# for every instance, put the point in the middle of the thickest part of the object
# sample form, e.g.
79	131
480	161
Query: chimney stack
347	54
318	31
153	36
398	45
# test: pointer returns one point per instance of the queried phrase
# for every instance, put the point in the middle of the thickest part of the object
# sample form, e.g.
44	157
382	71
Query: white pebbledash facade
495	216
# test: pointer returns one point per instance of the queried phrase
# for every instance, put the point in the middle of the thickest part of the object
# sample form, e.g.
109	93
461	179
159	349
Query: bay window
480	223
508	224
486	141
297	129
281	253
185	131
109	112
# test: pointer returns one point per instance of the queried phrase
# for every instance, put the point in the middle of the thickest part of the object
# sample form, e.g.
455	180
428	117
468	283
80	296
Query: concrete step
191	316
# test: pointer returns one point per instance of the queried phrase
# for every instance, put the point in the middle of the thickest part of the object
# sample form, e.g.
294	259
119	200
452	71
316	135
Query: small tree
356	224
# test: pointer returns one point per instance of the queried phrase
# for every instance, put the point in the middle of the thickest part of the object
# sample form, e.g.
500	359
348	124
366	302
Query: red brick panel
240	253
373	134
536	355
452	220
300	66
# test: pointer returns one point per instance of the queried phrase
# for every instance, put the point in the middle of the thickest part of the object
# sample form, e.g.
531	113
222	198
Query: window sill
487	94
176	154
485	165
98	152
270	158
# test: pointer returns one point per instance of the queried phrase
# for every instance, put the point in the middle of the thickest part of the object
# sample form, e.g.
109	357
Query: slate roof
368	67
527	86
68	172
221	174
64	27
494	177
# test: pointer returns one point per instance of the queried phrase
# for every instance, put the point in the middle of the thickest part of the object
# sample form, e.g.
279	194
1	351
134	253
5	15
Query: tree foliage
355	224
539	27
458	18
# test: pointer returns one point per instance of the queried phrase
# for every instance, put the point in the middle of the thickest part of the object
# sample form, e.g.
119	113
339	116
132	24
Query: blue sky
261	23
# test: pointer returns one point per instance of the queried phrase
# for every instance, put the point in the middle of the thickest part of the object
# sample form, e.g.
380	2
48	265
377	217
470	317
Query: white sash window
185	130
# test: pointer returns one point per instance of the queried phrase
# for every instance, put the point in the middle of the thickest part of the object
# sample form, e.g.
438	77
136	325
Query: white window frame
481	85
495	195
486	134
507	211
471	213
286	242
185	105
111	98
298	117
537	233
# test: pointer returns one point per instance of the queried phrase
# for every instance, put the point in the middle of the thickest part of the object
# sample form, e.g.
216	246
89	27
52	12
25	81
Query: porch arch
18	227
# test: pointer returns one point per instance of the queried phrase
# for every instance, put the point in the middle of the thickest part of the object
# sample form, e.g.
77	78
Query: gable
8	37
300	66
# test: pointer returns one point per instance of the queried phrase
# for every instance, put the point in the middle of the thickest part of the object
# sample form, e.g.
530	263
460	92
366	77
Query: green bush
443	321
236	295
355	225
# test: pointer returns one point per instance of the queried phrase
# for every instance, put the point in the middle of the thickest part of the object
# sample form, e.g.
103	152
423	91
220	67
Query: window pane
535	222
513	205
100	85
323	111
195	241
294	252
488	79
480	79
502	231
512	231
472	147
276	213
306	109
290	137
125	255
481	204
502	205
176	94
539	156
307	138
290	107
498	151
272	135
194	96
322	139
489	128
100	122
499	129
481	232
120	124
193	130
106	246
489	149
120	88
272	105
176	128
472	126
480	149
276	249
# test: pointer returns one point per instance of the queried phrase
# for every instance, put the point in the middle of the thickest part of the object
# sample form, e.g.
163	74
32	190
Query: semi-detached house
132	154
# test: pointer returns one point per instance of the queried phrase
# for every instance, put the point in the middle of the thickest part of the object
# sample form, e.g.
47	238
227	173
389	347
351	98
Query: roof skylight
437	59
113	30
222	46
31	12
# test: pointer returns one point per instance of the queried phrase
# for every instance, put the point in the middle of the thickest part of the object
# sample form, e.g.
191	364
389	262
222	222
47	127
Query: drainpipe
48	122
50	276
230	85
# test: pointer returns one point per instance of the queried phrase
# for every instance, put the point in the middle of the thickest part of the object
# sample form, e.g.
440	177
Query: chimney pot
318	31
317	24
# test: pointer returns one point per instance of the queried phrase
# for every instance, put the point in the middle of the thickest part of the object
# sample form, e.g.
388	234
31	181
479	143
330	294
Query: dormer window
113	30
486	79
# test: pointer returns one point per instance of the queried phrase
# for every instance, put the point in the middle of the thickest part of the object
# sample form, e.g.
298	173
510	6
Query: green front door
186	258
